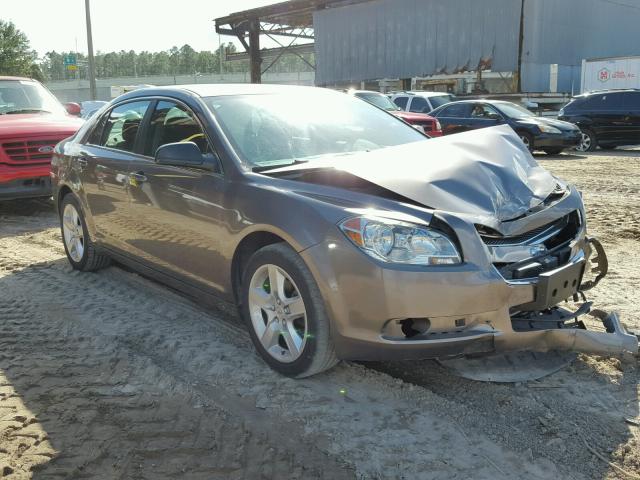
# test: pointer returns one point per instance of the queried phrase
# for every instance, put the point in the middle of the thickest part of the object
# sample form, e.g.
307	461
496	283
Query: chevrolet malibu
338	230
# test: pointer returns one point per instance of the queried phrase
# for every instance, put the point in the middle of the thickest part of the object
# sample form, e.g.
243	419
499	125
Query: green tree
16	55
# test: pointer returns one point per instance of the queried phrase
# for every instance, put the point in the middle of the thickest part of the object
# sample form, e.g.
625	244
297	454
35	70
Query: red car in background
32	122
426	123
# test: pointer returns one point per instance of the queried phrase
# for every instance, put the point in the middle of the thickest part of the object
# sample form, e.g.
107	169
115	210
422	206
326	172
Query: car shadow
26	216
561	156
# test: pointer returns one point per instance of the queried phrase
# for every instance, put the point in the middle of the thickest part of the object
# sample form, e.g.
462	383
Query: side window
596	102
632	101
96	134
401	102
481	110
456	110
122	125
172	123
419	105
618	101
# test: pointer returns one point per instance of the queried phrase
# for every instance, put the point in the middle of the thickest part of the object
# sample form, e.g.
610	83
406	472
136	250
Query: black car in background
537	133
607	119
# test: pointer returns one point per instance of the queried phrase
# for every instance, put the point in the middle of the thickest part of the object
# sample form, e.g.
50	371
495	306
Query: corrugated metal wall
567	31
407	38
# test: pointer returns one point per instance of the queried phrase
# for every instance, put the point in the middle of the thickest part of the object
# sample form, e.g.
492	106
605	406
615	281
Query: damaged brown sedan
340	231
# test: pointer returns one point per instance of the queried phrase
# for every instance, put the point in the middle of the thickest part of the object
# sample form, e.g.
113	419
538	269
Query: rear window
441	100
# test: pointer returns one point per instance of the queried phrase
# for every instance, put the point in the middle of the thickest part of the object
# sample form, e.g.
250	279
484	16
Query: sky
151	25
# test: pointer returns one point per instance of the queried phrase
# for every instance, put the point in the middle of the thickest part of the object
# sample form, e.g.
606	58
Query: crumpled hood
487	173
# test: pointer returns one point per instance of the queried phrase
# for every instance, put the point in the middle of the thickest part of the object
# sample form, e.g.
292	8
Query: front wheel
81	252
588	142
285	313
527	139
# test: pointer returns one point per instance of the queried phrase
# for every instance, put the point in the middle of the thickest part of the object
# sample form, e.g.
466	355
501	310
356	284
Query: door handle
137	177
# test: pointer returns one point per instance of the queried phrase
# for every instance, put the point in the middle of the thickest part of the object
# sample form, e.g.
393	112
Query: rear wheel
80	250
285	313
588	142
553	151
527	139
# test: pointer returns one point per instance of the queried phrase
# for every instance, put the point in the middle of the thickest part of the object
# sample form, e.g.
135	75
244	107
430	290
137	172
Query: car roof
2	78
423	94
353	92
220	89
611	90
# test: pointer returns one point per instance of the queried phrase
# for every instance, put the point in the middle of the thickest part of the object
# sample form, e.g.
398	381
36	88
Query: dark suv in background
607	119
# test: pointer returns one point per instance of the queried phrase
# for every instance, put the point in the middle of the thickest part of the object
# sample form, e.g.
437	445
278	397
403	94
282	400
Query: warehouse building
464	45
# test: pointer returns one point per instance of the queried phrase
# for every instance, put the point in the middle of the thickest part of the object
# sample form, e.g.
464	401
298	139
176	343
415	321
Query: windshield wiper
27	110
266	168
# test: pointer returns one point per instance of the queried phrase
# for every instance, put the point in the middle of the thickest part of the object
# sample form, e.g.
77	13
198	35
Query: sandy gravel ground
109	375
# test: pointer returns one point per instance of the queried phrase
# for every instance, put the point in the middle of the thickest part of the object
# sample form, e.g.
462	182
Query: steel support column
254	51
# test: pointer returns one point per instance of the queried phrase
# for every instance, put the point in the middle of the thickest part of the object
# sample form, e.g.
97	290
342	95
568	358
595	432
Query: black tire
318	353
527	139
91	259
553	151
592	142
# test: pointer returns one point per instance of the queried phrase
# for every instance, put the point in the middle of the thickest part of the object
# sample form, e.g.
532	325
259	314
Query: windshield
284	128
512	110
440	100
379	100
25	96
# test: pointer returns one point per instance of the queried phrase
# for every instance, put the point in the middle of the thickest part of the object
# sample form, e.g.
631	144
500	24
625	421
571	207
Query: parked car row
330	226
606	119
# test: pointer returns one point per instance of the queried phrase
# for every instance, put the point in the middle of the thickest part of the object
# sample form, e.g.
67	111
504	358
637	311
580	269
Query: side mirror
73	108
186	154
494	116
181	154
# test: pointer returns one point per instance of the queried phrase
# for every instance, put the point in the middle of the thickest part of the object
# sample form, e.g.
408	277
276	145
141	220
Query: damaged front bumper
399	314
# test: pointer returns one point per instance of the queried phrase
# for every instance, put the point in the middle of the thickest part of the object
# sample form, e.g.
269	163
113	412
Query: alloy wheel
278	314
585	143
526	142
74	236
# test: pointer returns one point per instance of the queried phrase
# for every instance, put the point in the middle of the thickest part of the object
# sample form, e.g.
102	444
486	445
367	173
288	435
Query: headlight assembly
548	128
400	242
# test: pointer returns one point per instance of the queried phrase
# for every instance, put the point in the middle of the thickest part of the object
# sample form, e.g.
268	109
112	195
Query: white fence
78	90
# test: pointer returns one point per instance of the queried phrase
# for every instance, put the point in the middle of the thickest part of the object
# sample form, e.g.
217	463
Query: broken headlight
400	242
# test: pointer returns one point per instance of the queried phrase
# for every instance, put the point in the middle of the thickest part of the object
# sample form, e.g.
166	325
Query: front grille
29	151
555	237
540	232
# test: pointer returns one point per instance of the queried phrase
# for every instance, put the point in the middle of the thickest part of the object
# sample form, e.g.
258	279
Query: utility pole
92	66
220	53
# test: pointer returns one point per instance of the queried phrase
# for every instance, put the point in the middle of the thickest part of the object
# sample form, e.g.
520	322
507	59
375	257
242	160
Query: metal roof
294	13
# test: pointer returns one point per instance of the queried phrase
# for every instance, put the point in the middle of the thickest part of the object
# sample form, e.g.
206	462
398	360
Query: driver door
178	211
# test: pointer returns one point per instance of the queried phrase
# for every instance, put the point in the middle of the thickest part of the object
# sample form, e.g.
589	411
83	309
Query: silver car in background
339	231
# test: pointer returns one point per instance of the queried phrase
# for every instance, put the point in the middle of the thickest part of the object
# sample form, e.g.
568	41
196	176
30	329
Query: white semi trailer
610	73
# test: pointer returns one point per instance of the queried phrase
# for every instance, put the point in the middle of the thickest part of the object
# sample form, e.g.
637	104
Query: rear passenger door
454	118
631	106
103	162
177	211
608	117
